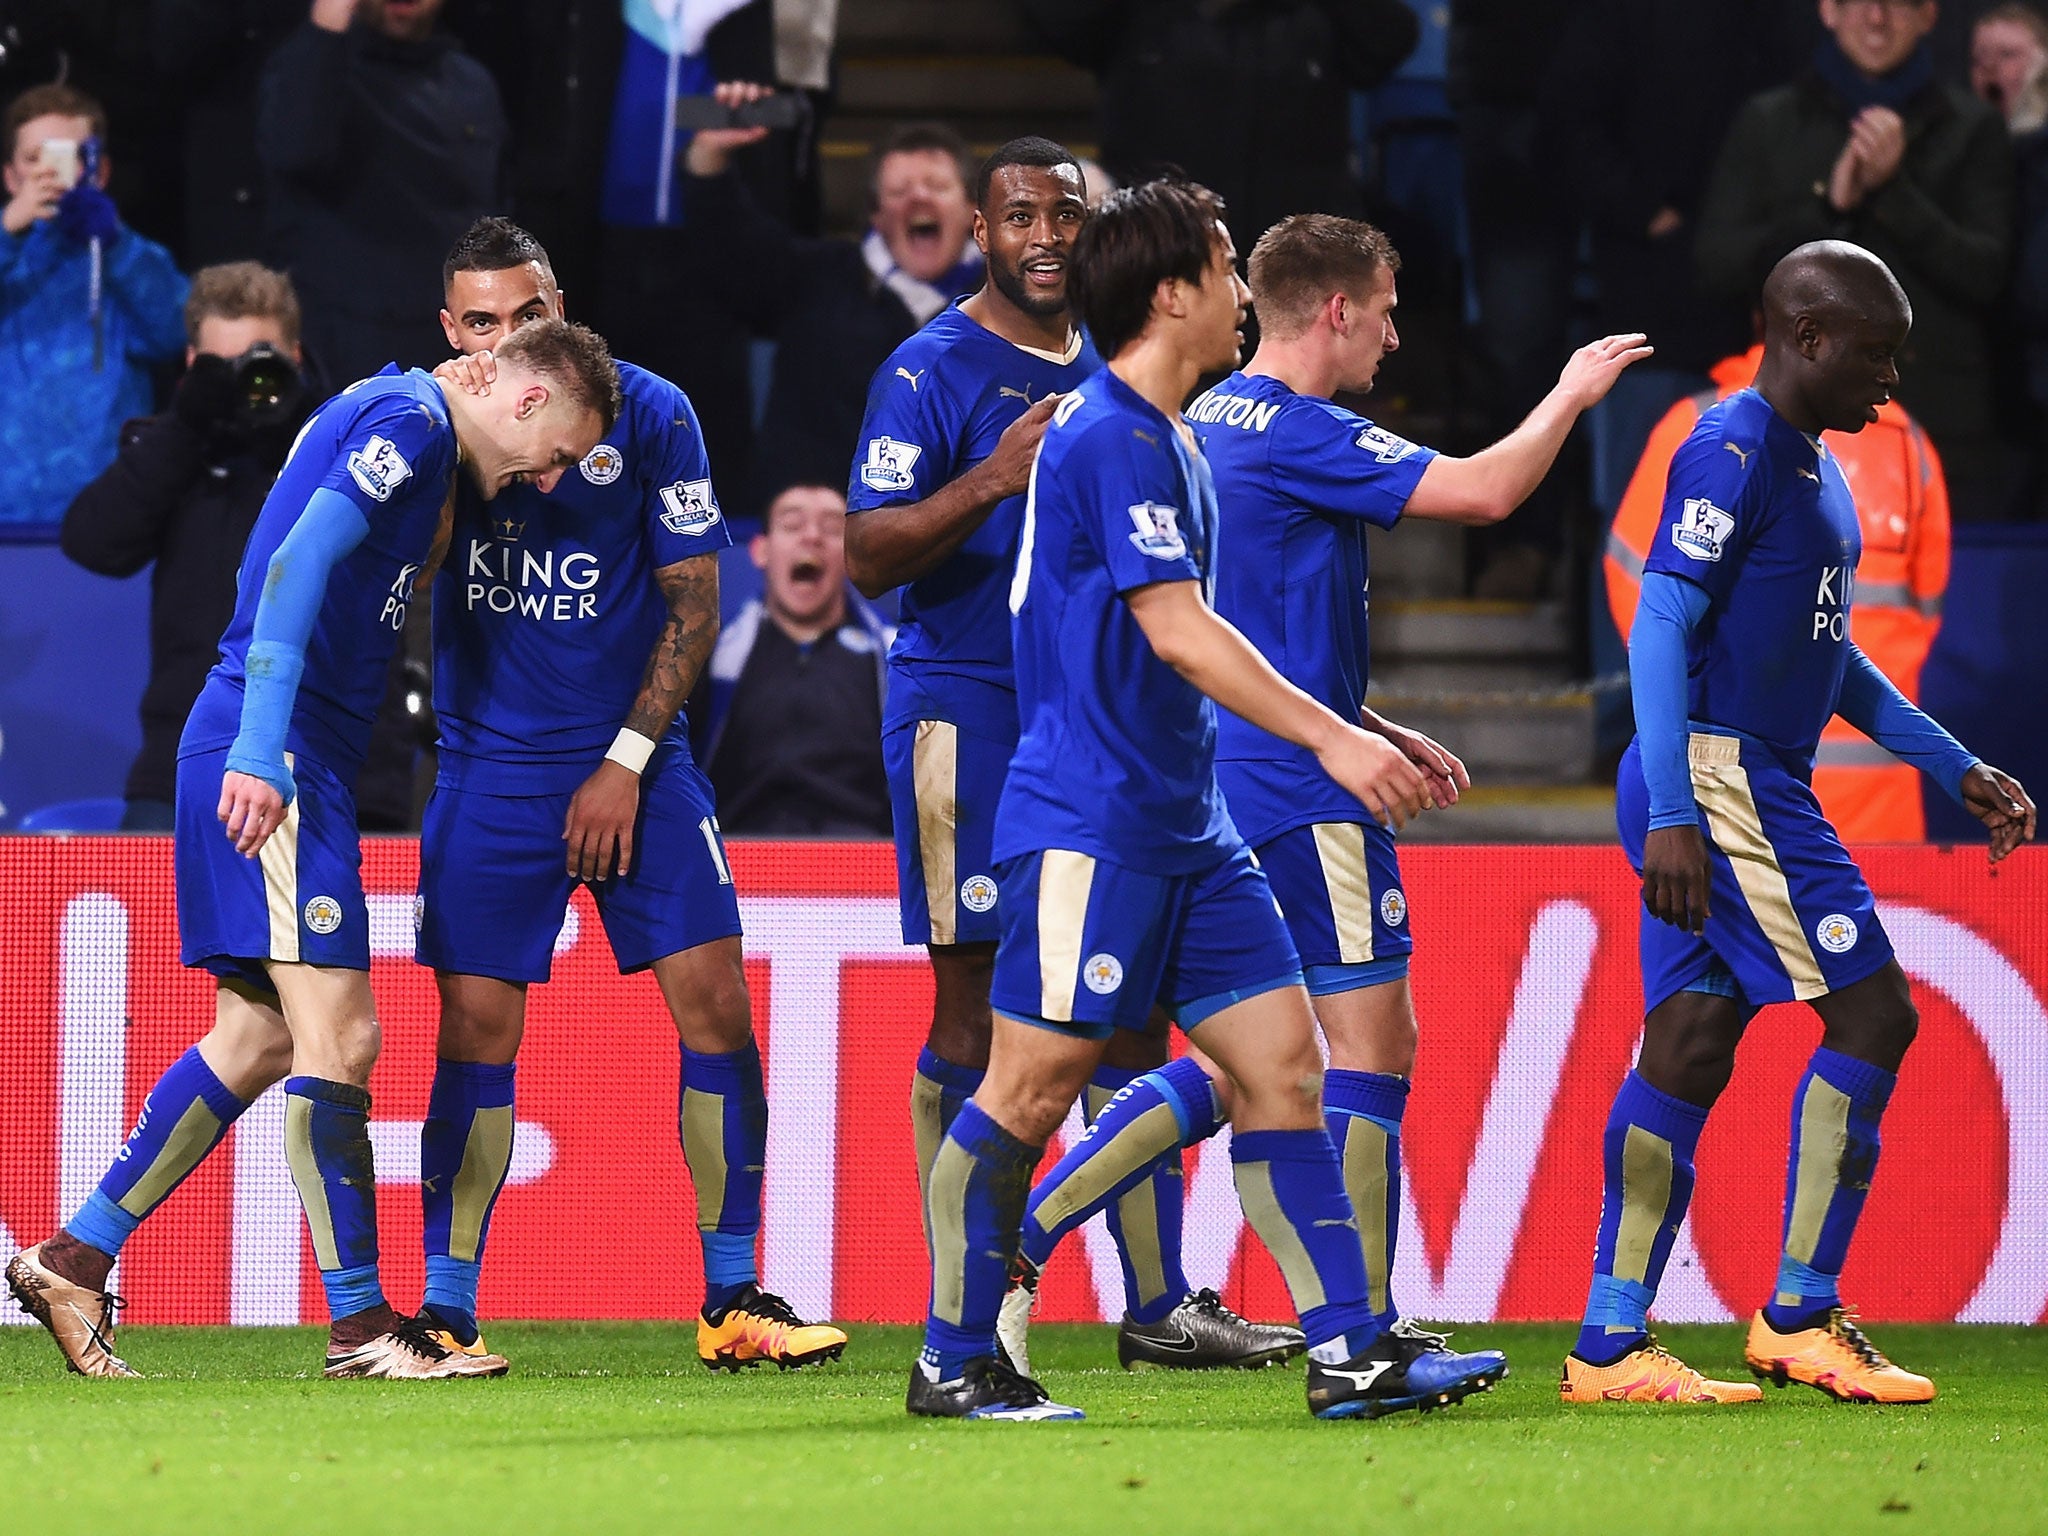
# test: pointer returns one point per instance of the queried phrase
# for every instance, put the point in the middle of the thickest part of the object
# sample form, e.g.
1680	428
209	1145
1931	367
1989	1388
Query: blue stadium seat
99	815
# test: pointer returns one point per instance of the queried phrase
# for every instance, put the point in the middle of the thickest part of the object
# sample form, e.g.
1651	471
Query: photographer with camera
184	491
86	307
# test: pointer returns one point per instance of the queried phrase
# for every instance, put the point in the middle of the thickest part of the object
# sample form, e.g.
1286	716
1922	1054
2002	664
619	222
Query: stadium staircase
1492	681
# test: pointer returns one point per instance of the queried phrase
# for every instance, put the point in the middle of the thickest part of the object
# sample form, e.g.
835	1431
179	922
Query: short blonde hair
242	290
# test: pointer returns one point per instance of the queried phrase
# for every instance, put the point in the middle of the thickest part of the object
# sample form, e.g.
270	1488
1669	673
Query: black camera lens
267	386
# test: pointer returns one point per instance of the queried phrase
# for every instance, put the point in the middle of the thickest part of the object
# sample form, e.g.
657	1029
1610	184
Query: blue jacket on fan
65	406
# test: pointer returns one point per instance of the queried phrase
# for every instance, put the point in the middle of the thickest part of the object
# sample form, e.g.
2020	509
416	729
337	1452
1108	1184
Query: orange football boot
1649	1375
759	1326
1837	1359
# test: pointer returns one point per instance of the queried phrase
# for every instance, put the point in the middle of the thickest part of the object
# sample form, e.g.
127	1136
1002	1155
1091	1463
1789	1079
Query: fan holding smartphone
88	306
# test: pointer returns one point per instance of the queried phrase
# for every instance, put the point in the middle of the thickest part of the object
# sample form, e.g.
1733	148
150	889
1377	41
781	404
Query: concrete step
925	26
1466	674
1503	738
1468	628
963	87
1574	813
1416	561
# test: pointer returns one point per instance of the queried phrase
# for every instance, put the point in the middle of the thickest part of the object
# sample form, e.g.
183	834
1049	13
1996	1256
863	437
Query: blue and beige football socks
1363	1111
722	1117
183	1118
327	1144
465	1154
1647	1154
1835	1115
1293	1196
979	1182
1145	1122
1145	1217
937	1090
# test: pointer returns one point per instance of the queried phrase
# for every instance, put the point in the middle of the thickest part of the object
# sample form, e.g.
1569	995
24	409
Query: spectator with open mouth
789	716
835	308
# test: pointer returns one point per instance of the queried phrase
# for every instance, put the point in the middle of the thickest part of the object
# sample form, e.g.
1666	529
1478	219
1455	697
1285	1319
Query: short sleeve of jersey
392	447
683	515
1340	463
907	439
1131	495
1710	513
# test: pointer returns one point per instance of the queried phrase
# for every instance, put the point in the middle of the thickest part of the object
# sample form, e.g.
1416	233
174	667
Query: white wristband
630	750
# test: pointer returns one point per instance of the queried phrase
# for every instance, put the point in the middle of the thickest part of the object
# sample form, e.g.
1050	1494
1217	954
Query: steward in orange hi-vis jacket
1902	499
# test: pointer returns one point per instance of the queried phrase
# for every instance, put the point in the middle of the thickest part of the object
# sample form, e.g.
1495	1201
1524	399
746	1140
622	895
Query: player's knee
719	1018
1693	1065
268	1059
1136	1051
1893	1026
1284	1087
349	1050
479	1034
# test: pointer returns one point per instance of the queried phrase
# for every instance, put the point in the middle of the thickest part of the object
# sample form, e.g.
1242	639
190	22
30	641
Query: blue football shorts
1089	947
299	900
944	782
1789	915
1339	887
494	882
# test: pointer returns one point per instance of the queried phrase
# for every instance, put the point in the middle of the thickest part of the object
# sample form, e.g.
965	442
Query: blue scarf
1857	90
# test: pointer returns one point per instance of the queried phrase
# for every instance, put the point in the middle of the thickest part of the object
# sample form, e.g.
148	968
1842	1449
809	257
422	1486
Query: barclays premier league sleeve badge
887	467
379	468
689	508
1158	531
1702	530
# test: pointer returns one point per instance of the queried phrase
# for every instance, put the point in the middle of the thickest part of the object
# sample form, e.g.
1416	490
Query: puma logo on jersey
905	373
1004	392
1740	453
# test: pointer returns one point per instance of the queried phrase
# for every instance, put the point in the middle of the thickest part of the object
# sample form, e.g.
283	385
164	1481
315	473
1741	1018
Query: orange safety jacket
1902	499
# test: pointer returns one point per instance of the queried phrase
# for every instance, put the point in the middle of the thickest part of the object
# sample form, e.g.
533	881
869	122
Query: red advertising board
1525	982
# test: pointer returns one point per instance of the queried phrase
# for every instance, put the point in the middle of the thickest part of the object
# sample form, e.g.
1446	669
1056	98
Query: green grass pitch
616	1428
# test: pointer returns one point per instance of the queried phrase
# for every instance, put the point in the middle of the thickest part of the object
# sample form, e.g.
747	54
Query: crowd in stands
1551	169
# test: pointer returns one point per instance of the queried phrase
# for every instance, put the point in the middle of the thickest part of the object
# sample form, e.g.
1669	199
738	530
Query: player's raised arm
258	784
1187	634
1490	484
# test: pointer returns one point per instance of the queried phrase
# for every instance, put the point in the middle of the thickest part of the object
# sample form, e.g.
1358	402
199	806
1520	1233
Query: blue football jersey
546	609
1758	514
1118	753
387	445
1297	479
935	410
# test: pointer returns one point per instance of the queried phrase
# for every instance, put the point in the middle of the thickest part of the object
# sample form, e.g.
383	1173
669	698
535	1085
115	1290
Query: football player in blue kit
936	498
1740	655
569	630
1299	478
1124	882
275	907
